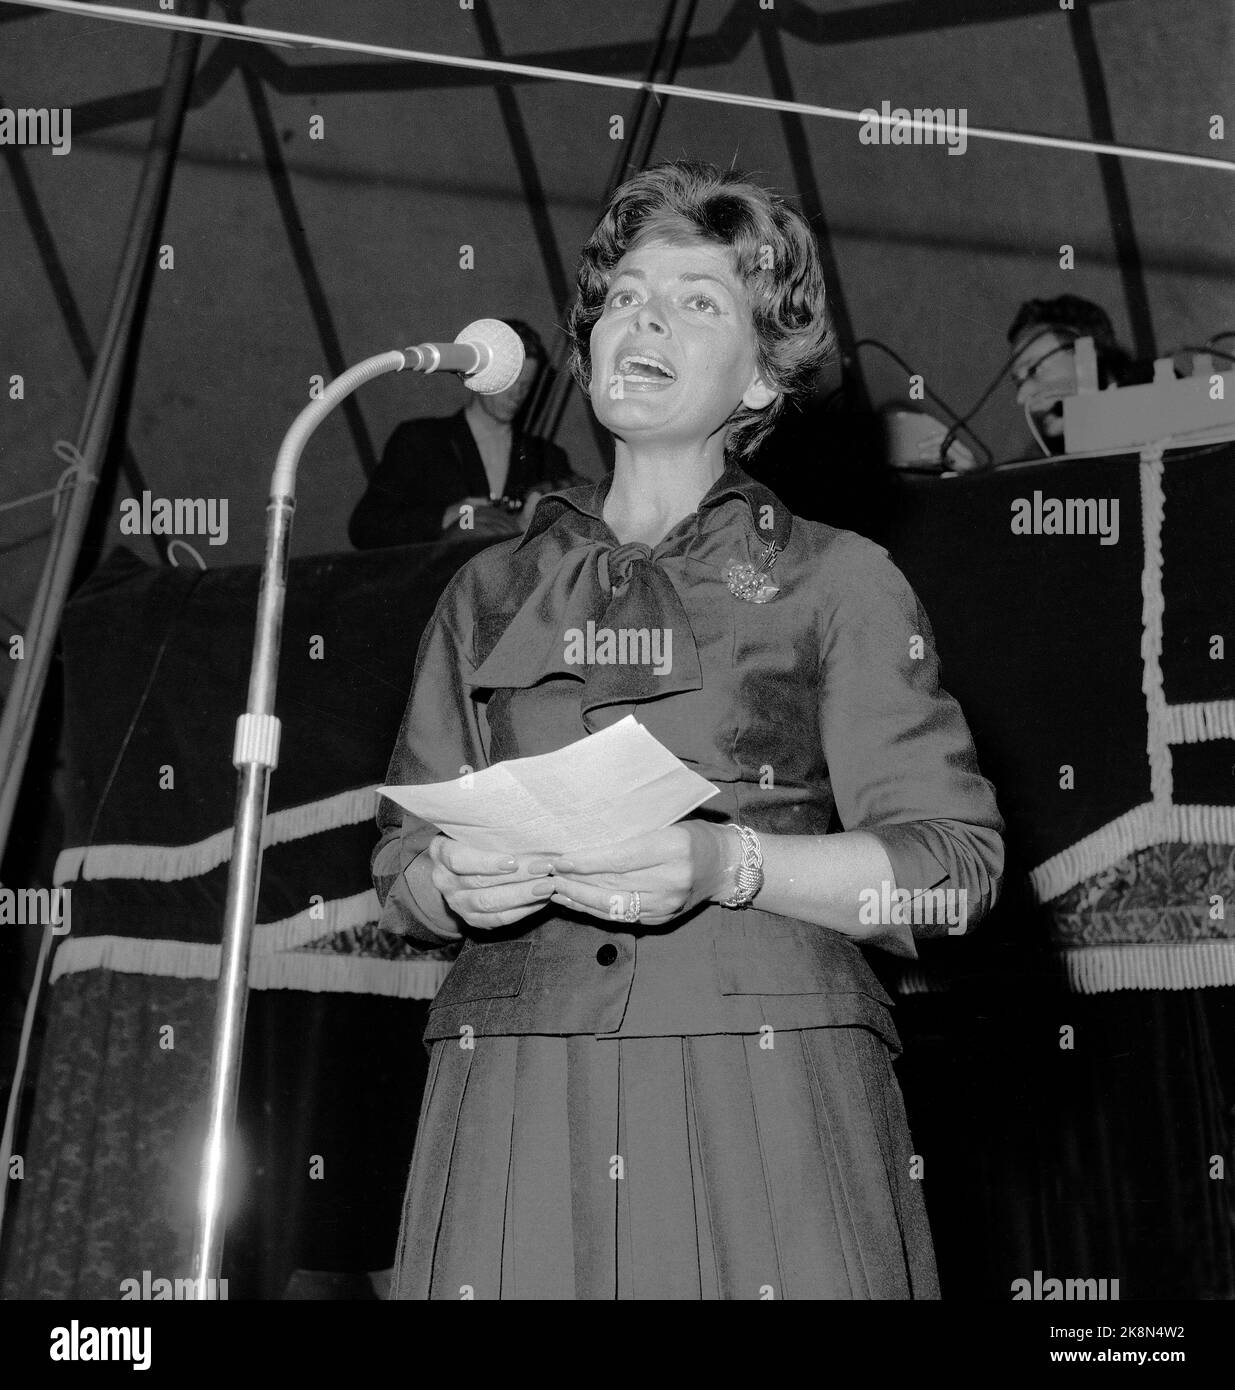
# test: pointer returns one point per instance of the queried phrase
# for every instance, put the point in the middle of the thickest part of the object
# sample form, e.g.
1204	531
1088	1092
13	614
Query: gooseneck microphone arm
255	755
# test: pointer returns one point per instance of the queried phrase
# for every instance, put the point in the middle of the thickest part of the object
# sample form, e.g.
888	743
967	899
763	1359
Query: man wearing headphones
1044	369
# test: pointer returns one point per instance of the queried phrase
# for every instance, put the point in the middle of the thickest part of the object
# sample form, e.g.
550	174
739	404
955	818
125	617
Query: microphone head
504	355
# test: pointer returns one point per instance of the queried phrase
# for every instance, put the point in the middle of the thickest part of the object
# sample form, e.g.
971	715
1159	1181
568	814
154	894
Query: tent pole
76	503
30	680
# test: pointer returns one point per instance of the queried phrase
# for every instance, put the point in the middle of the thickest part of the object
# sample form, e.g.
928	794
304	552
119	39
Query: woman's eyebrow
688	275
715	279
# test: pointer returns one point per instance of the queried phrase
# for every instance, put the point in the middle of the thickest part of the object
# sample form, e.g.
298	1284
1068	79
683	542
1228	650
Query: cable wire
958	423
285	38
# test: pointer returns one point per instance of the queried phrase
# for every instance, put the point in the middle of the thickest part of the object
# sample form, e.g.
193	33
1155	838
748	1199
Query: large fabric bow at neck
608	615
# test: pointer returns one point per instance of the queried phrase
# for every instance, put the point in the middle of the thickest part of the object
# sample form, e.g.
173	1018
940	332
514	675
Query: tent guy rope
284	38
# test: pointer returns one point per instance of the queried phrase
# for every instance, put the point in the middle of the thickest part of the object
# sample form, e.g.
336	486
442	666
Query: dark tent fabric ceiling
294	256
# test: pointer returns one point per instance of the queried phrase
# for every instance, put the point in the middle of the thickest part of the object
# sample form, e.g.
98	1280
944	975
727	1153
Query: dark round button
607	954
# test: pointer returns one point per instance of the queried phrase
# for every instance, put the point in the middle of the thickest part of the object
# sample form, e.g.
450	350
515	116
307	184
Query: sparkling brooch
752	582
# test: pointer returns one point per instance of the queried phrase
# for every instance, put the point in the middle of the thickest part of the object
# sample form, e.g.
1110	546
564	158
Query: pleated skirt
664	1168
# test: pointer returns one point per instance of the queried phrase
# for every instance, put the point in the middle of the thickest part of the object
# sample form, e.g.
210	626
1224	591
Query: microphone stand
255	755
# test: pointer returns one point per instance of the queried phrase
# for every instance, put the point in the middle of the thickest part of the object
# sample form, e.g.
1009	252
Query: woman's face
673	352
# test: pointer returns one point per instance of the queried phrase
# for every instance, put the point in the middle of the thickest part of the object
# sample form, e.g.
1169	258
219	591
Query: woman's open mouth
642	370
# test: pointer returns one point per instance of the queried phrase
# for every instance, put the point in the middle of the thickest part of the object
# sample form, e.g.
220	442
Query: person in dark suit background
480	458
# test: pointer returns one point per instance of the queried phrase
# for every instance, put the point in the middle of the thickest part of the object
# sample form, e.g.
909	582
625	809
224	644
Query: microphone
488	354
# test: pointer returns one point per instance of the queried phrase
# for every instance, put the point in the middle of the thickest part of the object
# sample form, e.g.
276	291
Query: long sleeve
442	735
898	750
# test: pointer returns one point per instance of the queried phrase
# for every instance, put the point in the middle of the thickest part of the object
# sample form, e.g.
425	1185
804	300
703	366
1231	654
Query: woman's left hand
672	870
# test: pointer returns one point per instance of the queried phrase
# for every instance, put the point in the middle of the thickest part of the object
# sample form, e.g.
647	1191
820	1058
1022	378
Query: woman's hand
486	888
672	870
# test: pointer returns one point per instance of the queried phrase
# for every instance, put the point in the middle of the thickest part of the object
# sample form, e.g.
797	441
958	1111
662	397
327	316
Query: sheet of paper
608	786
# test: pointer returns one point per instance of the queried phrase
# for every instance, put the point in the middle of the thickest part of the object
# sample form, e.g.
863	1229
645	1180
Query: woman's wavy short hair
774	254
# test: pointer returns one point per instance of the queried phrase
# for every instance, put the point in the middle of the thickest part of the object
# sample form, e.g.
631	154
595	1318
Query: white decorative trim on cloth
275	961
168	863
269	937
1200	722
913	979
1181	965
1135	830
313	972
1153	606
288	934
1159	820
1109	969
1178	965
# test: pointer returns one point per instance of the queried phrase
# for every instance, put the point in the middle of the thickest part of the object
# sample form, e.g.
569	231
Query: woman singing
661	1067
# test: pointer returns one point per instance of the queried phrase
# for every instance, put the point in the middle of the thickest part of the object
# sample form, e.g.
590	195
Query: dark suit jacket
823	704
427	465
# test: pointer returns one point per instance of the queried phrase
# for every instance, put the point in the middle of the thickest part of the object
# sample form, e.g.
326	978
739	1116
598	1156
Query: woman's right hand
487	888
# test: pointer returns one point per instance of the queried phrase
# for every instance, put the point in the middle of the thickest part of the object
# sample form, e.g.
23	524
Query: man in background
472	474
1043	335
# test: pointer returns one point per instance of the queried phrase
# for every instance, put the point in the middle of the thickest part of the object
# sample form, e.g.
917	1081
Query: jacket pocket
770	956
493	970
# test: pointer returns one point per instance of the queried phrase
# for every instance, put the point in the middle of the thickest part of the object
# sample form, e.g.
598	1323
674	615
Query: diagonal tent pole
650	111
26	694
533	194
1114	184
62	291
853	384
310	279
